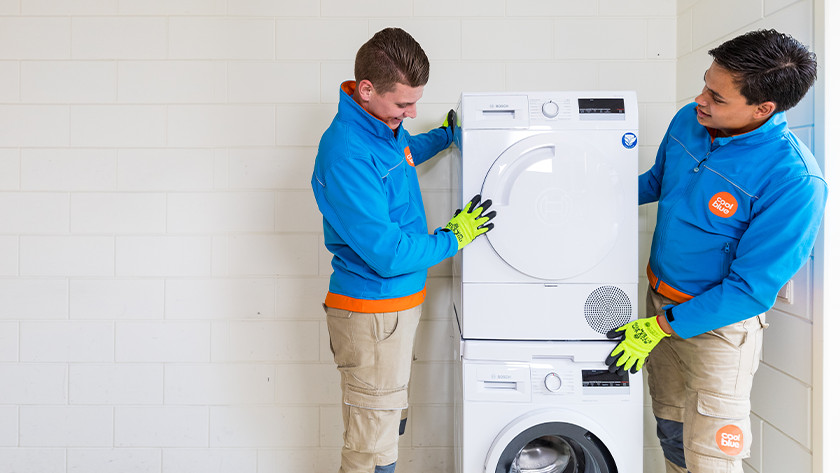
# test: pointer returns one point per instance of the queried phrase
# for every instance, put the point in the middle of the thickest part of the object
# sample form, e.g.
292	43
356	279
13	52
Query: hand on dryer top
466	225
637	339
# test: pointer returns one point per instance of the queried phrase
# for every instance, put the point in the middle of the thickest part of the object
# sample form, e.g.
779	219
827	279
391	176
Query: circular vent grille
606	308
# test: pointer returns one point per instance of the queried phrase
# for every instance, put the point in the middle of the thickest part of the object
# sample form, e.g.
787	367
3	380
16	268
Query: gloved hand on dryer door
468	224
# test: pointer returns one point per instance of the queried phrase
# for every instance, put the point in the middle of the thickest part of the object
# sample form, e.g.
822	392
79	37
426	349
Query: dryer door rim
559	199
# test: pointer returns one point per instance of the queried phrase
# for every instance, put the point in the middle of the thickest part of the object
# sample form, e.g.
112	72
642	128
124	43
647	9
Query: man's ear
764	110
364	88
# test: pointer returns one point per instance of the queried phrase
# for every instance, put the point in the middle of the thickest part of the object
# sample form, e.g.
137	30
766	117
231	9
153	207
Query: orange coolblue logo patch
723	204
730	439
408	156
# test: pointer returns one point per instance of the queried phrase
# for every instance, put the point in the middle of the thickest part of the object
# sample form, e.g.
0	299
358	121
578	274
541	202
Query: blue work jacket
366	187
738	217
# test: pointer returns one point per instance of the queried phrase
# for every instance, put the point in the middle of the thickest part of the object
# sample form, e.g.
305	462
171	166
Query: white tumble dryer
562	171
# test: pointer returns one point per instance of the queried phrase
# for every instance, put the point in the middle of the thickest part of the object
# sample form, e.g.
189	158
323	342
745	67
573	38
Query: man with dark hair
741	200
366	187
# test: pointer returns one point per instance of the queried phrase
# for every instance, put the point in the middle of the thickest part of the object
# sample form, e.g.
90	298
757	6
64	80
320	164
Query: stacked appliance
534	298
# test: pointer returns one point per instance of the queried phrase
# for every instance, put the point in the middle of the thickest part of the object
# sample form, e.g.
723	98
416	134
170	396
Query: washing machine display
562	171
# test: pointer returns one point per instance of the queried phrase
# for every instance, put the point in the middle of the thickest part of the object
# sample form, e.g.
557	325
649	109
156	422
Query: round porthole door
552	447
559	206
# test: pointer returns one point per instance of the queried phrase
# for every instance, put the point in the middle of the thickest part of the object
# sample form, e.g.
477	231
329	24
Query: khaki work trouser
705	382
373	353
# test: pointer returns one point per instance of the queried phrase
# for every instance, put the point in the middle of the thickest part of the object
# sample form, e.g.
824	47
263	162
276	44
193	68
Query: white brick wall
33	299
66	426
74	342
221	38
116	299
156	426
165	169
161	259
119	38
118	126
68	82
216	460
34	460
34	213
66	256
18	123
35	38
64	169
103	460
9	341
116	384
119	213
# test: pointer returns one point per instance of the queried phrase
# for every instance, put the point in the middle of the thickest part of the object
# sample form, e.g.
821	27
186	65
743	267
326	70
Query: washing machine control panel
570	380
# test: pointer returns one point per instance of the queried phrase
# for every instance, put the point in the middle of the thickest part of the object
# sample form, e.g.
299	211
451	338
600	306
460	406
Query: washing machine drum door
555	447
545	455
558	205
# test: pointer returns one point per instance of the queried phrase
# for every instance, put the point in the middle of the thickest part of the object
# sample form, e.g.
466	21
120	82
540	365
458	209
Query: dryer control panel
549	110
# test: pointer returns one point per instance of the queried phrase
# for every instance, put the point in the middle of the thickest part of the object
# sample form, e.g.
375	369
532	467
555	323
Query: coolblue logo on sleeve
629	140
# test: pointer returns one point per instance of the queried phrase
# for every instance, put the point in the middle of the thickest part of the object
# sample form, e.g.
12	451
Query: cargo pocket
376	399
372	434
720	427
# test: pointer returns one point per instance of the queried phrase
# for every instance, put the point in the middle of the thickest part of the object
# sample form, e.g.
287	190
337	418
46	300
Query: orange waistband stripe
663	288
368	306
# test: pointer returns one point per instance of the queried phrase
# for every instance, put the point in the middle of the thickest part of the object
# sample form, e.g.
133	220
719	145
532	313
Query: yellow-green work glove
449	124
637	340
466	225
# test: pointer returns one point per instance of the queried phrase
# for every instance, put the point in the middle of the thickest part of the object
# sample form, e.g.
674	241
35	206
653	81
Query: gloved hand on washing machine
637	339
449	124
466	225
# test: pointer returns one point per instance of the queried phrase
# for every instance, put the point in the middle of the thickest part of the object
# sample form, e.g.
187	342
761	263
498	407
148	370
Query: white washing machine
545	407
562	171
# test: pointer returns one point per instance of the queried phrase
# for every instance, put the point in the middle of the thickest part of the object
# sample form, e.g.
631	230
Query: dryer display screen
605	379
593	106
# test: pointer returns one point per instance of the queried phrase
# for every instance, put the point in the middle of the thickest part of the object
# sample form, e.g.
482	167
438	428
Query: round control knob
553	382
550	109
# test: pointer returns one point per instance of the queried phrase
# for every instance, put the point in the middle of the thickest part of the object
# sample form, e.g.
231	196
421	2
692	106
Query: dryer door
553	447
558	202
